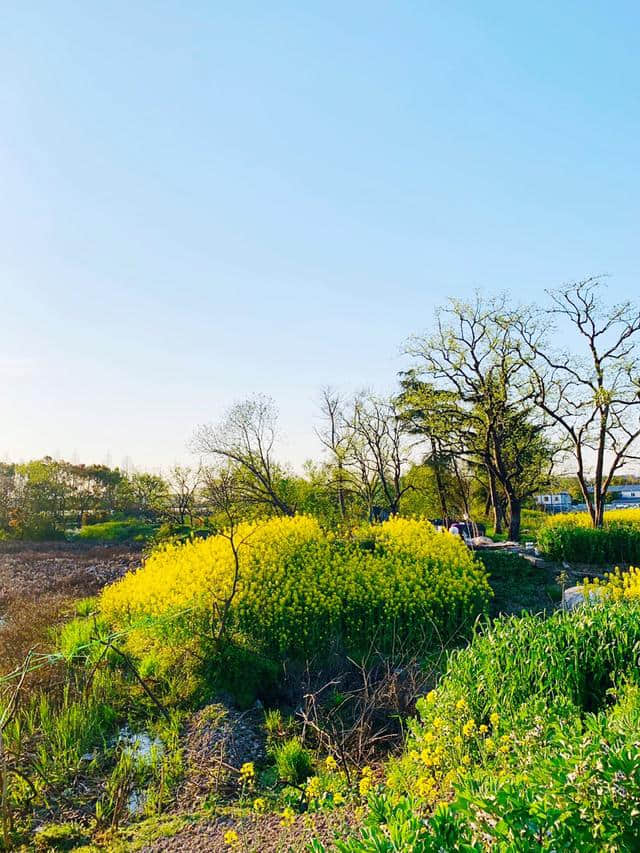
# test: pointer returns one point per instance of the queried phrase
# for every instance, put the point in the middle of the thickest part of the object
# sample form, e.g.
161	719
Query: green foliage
579	790
273	722
70	730
576	656
531	523
398	827
517	584
504	564
80	638
128	530
86	606
293	762
243	672
617	542
532	736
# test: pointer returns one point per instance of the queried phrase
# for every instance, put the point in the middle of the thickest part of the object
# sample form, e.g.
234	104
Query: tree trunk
515	509
597	516
463	492
442	497
495	503
594	501
341	500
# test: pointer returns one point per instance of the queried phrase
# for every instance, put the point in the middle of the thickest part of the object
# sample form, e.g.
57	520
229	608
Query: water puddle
141	744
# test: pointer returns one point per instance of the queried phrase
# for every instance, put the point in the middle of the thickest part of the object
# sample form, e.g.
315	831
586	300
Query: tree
184	483
424	409
149	494
245	439
593	399
473	361
379	447
42	497
227	501
92	488
336	438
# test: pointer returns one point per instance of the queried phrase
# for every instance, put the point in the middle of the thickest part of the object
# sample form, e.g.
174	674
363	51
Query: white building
555	502
625	492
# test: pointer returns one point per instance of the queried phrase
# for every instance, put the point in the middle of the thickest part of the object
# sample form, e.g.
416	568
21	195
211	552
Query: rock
574	597
481	541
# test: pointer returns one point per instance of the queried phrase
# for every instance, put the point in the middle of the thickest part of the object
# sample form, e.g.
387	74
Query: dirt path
264	833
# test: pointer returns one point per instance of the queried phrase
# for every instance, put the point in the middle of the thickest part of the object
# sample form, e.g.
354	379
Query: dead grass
39	584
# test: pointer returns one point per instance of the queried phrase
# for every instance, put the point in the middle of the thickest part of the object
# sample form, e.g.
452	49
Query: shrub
569	536
293	762
302	590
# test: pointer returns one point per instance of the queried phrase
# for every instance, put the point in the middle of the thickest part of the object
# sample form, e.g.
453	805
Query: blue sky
204	200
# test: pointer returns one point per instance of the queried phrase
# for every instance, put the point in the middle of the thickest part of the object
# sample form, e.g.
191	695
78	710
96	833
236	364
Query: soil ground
39	583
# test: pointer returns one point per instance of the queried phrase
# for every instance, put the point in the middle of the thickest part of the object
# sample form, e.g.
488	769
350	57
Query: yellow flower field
301	588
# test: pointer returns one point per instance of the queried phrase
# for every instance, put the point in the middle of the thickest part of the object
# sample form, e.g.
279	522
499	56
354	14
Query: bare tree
337	439
184	483
245	439
593	399
379	447
227	499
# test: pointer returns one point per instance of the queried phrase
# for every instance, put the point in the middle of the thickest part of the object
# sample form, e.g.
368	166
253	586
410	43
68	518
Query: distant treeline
47	498
42	498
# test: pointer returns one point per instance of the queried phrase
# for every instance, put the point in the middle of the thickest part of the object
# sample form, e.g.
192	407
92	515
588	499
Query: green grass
517	585
129	530
531	522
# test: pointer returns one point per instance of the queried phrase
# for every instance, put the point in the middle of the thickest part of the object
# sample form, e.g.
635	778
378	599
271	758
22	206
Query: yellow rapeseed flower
288	817
365	785
248	770
313	788
469	728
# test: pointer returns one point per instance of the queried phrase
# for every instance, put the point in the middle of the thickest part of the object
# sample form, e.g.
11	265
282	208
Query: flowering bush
616	586
300	588
570	536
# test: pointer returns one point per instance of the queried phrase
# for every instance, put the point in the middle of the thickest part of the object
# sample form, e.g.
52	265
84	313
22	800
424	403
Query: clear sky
201	200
